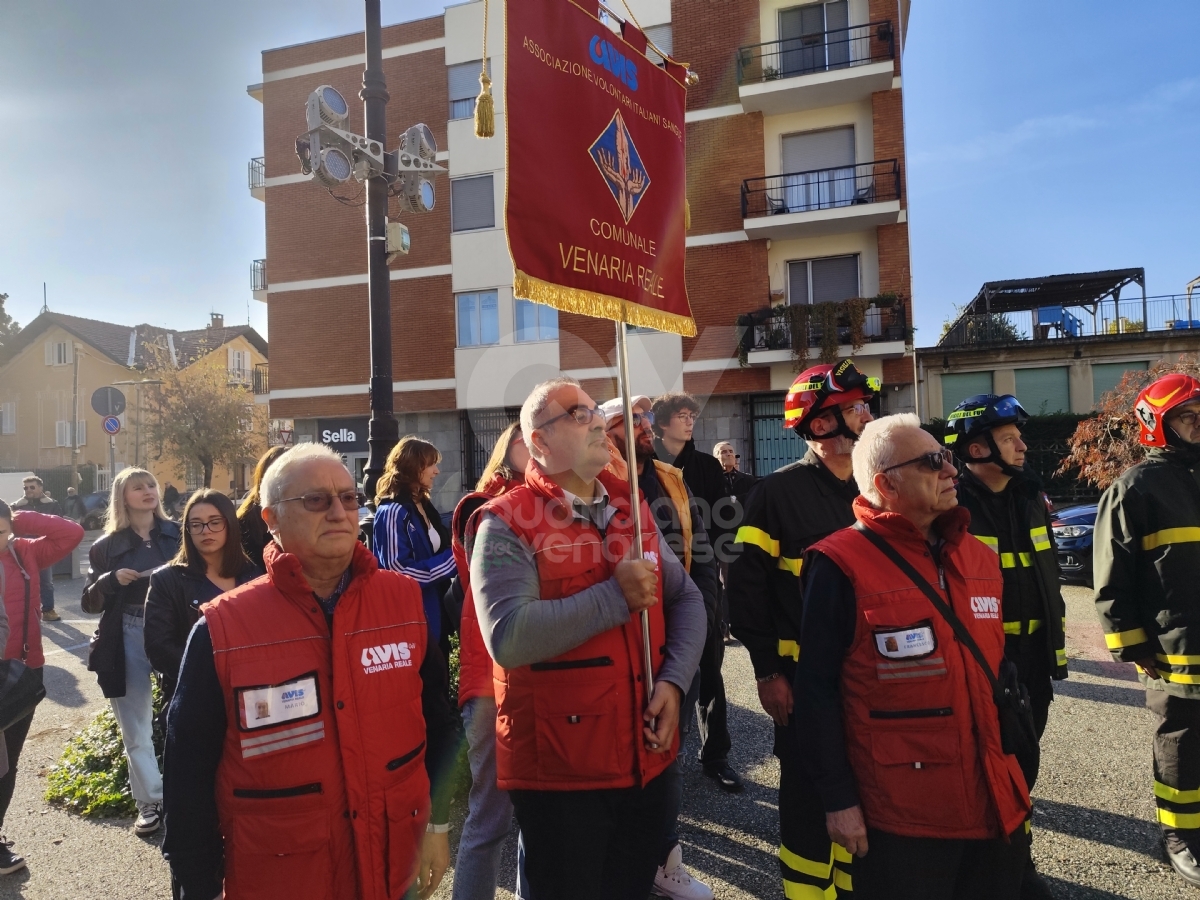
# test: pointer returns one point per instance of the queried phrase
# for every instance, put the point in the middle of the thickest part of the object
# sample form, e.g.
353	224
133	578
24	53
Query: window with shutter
472	203
660	36
813	37
62	433
1044	391
82	426
1106	376
825	280
464	88
798	283
958	387
818	169
8	418
58	353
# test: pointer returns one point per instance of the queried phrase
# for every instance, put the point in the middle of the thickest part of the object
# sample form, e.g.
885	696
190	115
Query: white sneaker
674	881
149	818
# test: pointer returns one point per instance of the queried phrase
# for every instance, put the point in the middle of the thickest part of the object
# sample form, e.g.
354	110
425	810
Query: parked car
95	510
1073	529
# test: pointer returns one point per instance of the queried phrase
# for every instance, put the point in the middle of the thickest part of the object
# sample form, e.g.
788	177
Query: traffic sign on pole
108	401
112	425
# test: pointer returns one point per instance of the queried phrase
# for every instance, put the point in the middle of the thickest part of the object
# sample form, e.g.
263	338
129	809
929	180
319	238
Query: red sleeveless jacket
574	722
921	727
321	790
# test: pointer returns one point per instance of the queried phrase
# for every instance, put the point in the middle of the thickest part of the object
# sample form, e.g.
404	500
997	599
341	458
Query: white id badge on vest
269	705
906	643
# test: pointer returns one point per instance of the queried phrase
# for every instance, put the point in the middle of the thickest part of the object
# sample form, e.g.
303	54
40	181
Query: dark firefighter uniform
1015	524
787	512
1146	565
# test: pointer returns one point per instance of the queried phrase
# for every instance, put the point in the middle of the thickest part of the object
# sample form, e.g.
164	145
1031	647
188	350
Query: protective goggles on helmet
982	413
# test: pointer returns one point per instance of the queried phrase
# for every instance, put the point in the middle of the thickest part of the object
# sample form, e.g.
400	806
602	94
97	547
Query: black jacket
172	608
739	484
47	505
1146	565
705	478
1016	524
104	594
255	536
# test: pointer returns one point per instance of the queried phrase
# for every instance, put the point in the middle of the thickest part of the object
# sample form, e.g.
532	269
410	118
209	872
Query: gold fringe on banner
599	306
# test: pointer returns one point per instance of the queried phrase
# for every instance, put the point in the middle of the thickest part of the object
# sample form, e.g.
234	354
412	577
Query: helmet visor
847	377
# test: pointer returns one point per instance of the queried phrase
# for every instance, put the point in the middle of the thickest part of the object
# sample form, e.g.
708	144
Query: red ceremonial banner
595	202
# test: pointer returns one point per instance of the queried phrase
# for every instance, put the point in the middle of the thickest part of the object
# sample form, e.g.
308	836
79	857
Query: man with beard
786	513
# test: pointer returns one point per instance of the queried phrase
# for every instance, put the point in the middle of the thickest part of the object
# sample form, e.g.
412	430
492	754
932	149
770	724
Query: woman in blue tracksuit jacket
409	536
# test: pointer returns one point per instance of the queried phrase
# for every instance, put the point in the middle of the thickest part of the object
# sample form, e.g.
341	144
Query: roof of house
1078	289
127	345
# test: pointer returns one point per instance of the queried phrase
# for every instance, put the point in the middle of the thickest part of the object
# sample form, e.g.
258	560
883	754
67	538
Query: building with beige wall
38	391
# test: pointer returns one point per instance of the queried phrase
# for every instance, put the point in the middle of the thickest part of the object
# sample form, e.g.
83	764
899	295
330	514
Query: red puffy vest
922	731
575	722
321	790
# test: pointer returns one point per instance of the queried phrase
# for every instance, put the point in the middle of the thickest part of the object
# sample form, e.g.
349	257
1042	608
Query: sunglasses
214	525
320	501
582	415
934	460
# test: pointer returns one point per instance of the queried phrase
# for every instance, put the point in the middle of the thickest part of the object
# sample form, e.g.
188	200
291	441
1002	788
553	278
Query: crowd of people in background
897	593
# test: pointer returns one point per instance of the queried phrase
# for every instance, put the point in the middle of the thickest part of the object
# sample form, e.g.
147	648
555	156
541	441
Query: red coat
575	722
321	789
43	540
921	727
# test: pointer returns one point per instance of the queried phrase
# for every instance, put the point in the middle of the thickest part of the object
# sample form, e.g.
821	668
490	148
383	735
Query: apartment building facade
797	193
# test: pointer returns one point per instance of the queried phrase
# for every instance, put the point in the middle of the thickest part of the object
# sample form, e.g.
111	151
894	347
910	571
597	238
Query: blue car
1073	529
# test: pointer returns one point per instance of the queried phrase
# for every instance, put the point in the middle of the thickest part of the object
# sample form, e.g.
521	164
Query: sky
1042	138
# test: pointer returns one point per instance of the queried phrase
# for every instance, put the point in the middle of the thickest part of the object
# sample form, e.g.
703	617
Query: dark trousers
1032	658
46	585
712	723
1177	766
810	863
14	740
910	868
592	845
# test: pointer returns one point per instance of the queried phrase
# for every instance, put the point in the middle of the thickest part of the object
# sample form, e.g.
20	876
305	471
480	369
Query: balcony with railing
775	334
822	201
258	279
259	382
824	68
257	172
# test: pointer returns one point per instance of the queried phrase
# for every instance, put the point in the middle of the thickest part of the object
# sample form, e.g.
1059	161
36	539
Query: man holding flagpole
559	592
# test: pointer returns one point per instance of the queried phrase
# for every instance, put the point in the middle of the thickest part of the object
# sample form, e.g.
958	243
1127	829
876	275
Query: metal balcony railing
258	173
258	275
821	51
261	385
872	182
770	329
1129	316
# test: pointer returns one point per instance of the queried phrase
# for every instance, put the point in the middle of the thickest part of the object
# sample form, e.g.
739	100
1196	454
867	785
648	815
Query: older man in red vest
900	726
559	598
310	717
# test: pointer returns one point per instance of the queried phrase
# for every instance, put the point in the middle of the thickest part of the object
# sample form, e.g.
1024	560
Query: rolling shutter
1106	376
1044	391
958	387
472	203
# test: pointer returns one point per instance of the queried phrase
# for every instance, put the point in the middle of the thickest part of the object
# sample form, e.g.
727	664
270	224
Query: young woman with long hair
409	535
30	544
253	529
138	538
489	811
209	563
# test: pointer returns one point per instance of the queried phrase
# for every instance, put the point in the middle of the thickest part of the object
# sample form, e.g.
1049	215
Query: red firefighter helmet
825	387
1157	399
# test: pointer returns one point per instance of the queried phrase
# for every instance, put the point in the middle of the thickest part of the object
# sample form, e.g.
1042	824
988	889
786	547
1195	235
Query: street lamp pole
382	431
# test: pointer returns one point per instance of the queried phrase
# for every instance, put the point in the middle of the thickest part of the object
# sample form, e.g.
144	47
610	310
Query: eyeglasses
685	416
31	487
1187	418
860	407
646	417
933	460
582	415
214	525
320	501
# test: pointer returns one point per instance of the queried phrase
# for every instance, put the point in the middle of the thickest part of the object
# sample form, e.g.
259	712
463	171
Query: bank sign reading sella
343	435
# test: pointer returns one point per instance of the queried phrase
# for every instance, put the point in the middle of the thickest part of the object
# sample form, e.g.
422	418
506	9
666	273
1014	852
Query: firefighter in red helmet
786	513
1146	565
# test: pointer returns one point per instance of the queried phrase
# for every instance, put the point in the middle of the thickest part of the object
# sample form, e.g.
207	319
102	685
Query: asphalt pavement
1094	832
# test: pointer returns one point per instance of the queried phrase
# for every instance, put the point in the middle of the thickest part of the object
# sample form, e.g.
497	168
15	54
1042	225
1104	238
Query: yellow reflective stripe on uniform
1166	792
791	565
1176	678
748	534
841	854
991	543
842	880
1171	660
1185	821
1170	536
1040	537
1028	827
790	648
1061	657
1015	627
793	890
1009	560
1119	639
805	866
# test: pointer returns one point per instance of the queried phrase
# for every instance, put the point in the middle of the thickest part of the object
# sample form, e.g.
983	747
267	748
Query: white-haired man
310	718
902	734
579	748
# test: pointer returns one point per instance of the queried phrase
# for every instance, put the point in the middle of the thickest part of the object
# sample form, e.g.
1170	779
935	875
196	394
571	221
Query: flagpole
634	499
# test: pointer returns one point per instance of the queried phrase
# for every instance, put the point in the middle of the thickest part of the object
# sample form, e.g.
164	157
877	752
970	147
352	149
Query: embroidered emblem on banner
270	705
620	165
906	643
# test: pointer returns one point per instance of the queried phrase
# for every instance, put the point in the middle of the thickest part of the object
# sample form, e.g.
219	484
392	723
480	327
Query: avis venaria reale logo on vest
985	607
386	656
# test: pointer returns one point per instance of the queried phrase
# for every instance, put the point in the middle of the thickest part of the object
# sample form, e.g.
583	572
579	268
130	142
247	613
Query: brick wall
707	34
724	281
898	371
720	153
728	381
585	342
890	10
350	44
887	121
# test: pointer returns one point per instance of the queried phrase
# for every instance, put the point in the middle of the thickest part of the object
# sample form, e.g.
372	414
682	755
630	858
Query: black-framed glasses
582	415
1187	418
934	460
216	526
320	501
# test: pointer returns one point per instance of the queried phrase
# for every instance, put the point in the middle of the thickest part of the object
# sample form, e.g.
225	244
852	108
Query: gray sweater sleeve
687	624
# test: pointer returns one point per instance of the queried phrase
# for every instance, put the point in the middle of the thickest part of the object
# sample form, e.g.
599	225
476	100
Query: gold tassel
485	109
687	215
600	306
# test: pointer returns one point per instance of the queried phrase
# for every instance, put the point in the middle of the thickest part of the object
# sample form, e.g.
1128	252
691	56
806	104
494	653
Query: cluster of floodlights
333	155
